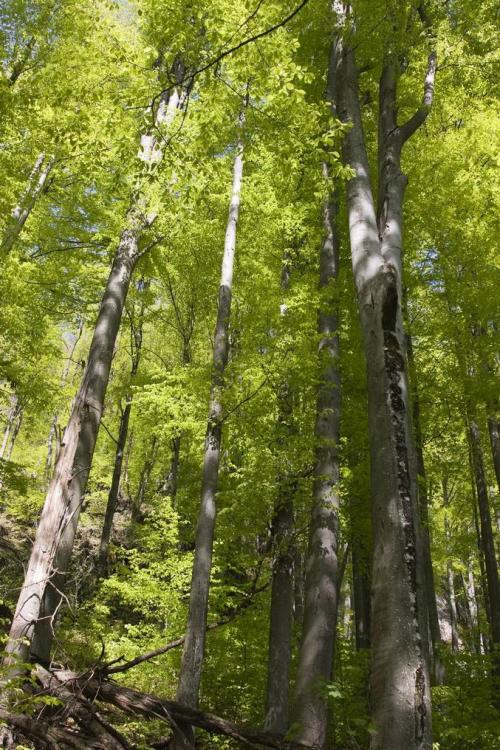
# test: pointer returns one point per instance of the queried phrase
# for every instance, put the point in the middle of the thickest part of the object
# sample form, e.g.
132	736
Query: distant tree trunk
361	592
321	586
145	479
56	531
494	431
453	607
298	585
194	645
115	488
14	419
280	618
169	486
36	185
487	540
472	607
282	586
400	686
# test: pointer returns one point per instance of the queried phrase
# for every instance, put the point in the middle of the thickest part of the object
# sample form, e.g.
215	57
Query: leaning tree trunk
36	185
321	590
11	428
42	590
400	686
194	645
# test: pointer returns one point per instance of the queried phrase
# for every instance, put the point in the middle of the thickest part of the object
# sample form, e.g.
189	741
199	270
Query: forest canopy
249	358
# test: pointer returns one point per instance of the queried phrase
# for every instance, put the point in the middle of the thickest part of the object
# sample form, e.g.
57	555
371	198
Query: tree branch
420	115
134	702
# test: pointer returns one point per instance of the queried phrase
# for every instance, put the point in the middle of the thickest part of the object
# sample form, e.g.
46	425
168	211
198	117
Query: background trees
81	82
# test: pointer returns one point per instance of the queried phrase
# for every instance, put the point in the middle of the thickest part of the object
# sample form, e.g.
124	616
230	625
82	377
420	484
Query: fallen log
50	734
151	707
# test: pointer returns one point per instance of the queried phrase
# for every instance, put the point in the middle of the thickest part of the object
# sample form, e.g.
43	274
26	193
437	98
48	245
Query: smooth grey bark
315	662
494	432
298	585
42	590
194	645
400	686
37	184
487	539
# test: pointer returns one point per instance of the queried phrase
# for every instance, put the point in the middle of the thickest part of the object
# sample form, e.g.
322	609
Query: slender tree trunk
321	590
487	540
194	645
453	607
494	431
361	595
36	185
472	607
144	479
114	489
280	619
298	585
400	686
282	585
12	428
169	486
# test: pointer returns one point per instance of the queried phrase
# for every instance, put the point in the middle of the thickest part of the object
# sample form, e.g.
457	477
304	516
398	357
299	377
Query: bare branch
420	115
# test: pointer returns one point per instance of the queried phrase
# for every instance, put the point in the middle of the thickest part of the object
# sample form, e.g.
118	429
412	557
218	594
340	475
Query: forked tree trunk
194	645
400	687
321	590
43	586
36	185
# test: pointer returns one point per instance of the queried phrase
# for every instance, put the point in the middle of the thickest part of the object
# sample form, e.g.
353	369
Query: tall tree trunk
453	606
487	540
321	591
36	185
494	431
144	479
282	584
194	645
472	607
400	684
43	585
114	490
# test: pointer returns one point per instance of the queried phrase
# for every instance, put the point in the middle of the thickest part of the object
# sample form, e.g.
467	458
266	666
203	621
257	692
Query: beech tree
315	564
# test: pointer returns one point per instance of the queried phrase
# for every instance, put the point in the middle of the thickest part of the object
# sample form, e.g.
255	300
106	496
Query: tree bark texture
193	653
400	687
321	591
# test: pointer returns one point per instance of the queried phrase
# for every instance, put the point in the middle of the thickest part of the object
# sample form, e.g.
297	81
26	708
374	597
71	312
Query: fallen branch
108	669
151	707
51	735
